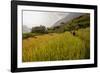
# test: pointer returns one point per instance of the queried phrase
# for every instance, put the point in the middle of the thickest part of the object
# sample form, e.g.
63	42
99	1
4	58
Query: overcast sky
37	18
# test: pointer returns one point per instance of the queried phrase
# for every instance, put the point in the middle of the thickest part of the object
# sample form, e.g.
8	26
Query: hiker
73	32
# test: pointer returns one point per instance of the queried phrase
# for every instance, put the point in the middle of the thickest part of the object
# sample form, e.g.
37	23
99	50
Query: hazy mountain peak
67	18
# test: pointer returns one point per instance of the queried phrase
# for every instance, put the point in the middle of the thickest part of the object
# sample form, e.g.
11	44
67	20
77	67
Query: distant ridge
67	18
79	21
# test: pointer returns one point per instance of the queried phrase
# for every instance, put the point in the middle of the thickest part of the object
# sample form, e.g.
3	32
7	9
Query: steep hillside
67	18
82	21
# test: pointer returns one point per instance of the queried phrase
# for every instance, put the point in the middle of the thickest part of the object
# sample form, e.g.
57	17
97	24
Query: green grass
57	46
28	35
84	35
77	23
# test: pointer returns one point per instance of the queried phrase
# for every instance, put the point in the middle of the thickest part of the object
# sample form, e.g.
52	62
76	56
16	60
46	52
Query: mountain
75	23
25	29
67	18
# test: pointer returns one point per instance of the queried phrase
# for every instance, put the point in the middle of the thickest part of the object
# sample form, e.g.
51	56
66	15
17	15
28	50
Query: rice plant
57	46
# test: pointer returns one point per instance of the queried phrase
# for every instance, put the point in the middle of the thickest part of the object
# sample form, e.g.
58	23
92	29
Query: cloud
37	18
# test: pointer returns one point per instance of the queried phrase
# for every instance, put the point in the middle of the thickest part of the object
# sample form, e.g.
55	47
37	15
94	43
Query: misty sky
37	18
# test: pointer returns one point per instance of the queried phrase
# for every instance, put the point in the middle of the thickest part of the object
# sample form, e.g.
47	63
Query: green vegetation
75	24
39	29
69	41
28	35
54	46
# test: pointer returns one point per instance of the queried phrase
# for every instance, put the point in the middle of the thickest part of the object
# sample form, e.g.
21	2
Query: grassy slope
53	46
59	46
77	23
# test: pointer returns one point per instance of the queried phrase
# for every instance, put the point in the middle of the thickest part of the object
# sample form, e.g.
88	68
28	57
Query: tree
38	29
62	23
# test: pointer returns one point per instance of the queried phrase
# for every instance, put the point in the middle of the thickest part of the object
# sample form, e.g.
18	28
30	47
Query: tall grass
84	35
57	46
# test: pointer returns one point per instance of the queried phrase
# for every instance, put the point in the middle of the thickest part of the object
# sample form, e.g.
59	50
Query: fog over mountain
26	29
37	18
47	19
67	18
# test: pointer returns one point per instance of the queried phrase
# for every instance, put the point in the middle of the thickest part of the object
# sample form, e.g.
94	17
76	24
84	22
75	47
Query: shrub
39	29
